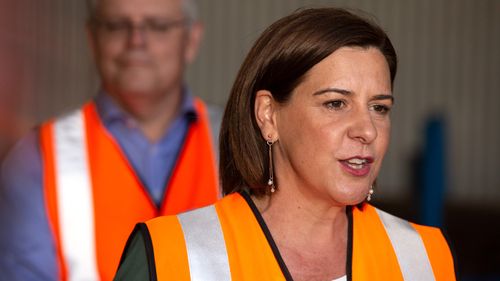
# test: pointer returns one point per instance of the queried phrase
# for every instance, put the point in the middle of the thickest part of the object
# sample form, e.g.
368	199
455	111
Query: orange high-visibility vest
94	198
225	241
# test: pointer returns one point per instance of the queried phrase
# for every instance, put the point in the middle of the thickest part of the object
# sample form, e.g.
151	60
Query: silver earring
270	182
370	193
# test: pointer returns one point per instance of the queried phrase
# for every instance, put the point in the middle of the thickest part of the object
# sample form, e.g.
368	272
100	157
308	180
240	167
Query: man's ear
265	114
195	35
91	39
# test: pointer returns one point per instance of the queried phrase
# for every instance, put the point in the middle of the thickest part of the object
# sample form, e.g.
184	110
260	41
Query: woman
302	140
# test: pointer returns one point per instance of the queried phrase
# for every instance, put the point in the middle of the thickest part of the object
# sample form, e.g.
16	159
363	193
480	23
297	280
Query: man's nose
137	36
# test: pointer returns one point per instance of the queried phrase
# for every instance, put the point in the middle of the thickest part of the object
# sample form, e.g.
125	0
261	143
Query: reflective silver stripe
74	197
205	245
409	248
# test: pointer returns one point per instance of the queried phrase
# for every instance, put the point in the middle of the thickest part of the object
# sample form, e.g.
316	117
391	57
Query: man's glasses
151	28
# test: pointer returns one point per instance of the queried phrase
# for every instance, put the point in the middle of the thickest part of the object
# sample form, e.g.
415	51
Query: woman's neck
311	237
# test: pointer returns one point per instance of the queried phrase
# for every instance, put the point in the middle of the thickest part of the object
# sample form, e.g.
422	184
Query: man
73	190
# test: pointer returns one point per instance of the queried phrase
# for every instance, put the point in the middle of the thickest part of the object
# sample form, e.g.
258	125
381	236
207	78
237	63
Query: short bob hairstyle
278	62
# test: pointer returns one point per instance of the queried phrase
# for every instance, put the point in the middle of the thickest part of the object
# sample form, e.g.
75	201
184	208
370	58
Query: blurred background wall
449	71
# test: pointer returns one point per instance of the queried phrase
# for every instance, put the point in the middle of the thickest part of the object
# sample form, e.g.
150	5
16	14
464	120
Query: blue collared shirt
27	250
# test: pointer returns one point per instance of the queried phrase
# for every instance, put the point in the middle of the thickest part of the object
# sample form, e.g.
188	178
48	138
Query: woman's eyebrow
383	97
348	93
336	90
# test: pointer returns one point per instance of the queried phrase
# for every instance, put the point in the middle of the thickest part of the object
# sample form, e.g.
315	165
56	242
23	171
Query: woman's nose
362	127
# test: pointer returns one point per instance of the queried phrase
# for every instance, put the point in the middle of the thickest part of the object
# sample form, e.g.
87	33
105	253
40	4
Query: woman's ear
265	113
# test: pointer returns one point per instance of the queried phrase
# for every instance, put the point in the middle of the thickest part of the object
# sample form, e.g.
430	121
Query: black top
137	261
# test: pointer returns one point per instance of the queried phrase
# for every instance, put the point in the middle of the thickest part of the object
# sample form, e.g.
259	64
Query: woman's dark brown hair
278	62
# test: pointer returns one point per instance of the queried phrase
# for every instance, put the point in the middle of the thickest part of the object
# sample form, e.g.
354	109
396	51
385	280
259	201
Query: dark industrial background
442	167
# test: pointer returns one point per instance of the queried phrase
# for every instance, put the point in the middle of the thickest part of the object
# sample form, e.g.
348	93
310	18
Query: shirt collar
110	111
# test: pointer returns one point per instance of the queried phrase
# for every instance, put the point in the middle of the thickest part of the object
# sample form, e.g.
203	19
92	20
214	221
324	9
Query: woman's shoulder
161	221
368	211
197	216
405	233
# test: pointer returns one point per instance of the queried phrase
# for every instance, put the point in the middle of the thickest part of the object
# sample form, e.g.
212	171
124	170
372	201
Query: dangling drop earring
270	182
370	193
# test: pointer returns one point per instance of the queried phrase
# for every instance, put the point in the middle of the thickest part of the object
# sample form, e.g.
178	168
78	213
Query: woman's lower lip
356	172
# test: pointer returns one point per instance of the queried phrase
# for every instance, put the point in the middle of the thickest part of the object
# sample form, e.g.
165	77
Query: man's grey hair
189	7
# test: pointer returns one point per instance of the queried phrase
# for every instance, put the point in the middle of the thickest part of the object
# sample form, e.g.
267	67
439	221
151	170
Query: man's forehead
140	8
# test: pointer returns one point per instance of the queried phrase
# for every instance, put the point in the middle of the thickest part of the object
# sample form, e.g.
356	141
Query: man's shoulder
22	164
214	111
24	150
214	114
24	157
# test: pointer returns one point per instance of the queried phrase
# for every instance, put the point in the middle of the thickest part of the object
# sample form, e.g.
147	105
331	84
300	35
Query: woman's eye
382	109
335	104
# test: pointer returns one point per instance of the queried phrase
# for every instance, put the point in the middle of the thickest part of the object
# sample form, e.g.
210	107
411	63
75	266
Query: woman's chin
350	198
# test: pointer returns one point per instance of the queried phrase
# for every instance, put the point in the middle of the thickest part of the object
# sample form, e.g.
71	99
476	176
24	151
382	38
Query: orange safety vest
94	204
188	246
